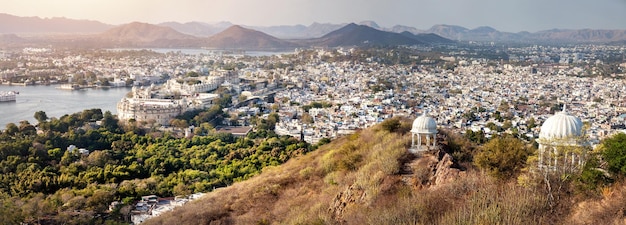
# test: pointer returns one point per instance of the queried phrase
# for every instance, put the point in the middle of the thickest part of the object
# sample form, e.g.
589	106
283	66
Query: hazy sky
505	15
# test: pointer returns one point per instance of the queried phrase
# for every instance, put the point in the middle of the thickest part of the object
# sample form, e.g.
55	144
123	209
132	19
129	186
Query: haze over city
533	15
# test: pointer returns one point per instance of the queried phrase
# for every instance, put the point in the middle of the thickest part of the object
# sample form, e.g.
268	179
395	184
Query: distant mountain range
485	33
36	25
358	35
241	38
234	37
15	30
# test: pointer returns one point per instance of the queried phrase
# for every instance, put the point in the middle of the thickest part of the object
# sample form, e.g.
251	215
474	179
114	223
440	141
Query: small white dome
561	125
424	124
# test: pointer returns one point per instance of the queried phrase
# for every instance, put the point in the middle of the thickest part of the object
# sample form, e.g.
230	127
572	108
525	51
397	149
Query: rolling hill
361	35
146	35
369	178
238	37
36	25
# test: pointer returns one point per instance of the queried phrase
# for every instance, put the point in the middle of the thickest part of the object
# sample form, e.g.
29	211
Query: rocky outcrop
431	170
446	171
351	195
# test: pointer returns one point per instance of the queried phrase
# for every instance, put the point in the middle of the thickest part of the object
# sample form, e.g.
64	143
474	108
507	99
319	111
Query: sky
504	15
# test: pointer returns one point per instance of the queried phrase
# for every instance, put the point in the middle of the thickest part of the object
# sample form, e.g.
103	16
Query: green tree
26	128
110	122
41	116
591	176
502	157
192	74
492	126
10	213
178	123
11	129
391	124
614	153
100	200
476	137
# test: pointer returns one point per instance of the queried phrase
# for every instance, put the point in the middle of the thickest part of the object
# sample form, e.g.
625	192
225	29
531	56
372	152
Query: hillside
304	189
146	35
37	25
237	37
369	178
362	35
485	33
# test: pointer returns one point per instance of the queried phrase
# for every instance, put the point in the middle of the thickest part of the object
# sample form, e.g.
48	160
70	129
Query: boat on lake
70	87
8	96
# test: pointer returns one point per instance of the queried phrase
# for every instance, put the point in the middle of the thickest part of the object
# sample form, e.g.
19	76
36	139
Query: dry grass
491	202
357	176
302	190
609	209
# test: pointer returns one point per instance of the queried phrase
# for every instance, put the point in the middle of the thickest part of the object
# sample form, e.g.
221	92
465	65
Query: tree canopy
42	179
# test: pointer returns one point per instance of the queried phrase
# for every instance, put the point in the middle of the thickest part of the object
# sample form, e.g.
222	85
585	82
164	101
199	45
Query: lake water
55	102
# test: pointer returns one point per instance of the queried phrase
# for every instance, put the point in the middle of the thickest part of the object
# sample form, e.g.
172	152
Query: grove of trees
43	182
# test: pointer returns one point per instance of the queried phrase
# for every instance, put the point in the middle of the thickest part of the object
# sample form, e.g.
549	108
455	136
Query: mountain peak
237	30
359	35
238	37
236	27
370	23
352	25
486	29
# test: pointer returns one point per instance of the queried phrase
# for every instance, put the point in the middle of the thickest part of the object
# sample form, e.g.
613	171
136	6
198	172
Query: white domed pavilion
560	142
423	126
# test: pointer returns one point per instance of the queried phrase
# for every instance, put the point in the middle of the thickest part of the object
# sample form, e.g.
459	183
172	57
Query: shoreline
61	84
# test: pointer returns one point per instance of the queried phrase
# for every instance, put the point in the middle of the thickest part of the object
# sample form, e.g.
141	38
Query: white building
423	127
141	106
560	143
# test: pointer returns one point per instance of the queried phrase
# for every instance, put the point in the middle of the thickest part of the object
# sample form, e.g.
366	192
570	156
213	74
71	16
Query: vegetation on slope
359	179
42	182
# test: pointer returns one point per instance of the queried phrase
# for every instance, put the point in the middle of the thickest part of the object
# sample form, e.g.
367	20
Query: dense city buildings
325	93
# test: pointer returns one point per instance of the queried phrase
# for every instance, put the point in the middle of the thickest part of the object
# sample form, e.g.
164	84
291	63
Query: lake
56	102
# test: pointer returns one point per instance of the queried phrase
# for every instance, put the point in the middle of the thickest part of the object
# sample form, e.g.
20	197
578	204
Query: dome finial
564	107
